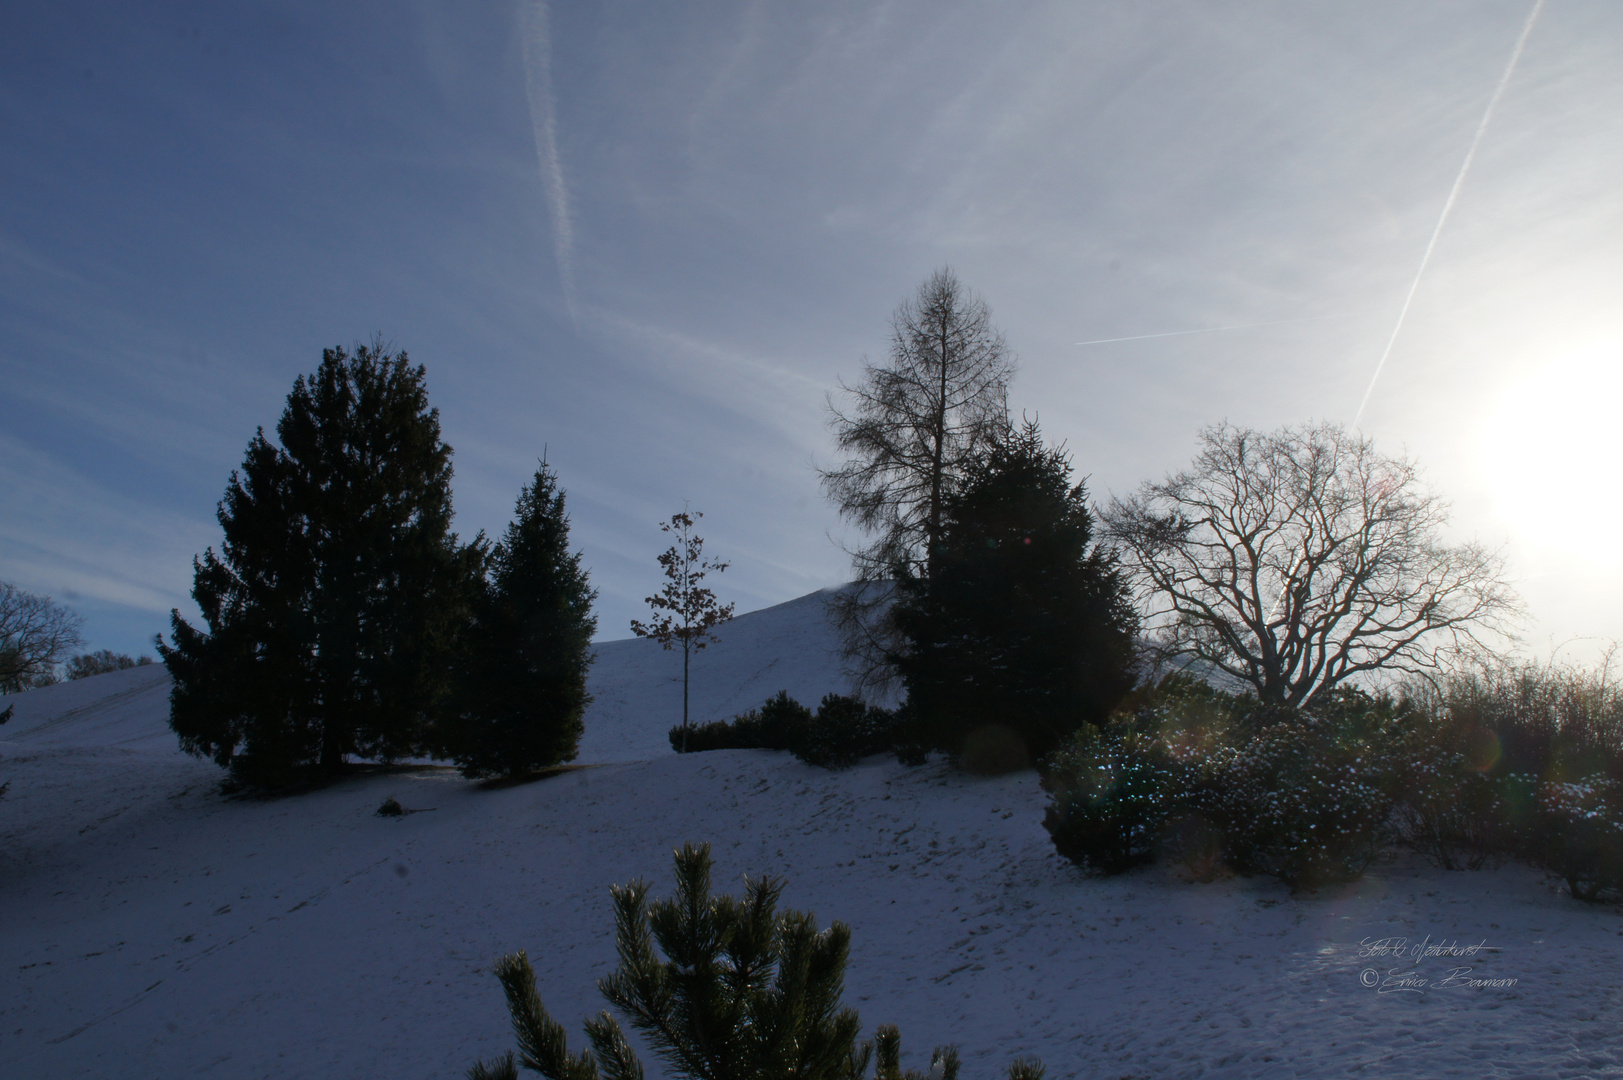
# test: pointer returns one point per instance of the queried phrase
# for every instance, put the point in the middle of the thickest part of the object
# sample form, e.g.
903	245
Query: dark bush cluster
102	662
1520	761
1208	779
1465	776
842	732
1112	792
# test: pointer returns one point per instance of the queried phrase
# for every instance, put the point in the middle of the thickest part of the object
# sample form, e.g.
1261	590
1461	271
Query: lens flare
1482	750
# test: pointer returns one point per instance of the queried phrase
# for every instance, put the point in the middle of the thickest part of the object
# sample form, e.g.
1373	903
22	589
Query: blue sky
650	237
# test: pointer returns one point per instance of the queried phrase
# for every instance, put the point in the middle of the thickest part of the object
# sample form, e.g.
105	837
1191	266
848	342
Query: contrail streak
537	43
1448	205
1207	330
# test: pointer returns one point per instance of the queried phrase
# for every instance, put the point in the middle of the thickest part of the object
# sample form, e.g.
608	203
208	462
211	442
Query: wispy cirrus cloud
536	38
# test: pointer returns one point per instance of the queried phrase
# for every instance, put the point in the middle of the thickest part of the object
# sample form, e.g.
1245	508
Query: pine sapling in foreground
743	992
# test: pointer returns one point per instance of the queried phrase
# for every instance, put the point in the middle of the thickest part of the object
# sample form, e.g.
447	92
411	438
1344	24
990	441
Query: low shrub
1539	719
1301	798
1113	792
1127	793
1577	834
1512	761
1449	805
1520	760
1211	779
102	662
779	724
843	731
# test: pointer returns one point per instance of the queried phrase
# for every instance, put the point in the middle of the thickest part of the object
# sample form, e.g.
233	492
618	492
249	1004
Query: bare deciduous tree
909	430
36	634
1297	559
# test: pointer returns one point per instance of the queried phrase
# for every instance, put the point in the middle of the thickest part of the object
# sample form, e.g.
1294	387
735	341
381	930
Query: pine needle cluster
722	988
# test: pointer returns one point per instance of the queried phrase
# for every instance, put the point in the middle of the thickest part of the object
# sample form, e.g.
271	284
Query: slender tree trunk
684	696
332	743
937	462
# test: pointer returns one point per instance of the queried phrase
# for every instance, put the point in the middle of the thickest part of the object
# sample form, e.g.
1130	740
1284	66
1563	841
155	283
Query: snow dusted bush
742	991
1451	806
1519	760
1303	795
1453	815
1112	793
1300	799
1523	765
1577	834
1127	792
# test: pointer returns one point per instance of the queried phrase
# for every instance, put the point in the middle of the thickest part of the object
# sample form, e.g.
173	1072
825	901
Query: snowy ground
150	928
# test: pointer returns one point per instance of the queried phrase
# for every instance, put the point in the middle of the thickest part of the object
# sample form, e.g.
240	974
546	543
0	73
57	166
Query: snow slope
151	928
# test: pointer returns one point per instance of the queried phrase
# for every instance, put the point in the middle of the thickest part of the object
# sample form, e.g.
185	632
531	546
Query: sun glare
1552	451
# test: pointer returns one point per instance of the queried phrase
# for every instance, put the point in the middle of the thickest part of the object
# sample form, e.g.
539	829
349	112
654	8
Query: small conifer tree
744	992
686	611
521	689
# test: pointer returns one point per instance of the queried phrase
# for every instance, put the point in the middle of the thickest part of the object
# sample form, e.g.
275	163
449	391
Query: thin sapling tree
685	611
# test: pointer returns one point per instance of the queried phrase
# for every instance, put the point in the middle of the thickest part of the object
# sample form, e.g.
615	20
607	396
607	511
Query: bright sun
1552	451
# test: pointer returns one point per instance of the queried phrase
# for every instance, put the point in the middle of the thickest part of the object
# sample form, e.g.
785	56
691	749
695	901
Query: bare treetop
1297	559
908	431
36	634
913	423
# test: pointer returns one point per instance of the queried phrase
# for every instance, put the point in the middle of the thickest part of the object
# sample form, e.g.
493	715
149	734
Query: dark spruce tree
521	687
1024	630
333	605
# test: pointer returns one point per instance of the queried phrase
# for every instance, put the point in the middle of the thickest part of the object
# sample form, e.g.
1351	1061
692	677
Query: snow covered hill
151	928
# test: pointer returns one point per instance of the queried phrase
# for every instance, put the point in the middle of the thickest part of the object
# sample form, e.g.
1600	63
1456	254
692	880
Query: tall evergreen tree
339	588
522	685
1023	622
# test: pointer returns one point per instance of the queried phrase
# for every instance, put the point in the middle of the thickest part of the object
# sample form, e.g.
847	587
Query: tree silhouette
1295	559
911	429
35	635
685	611
332	607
